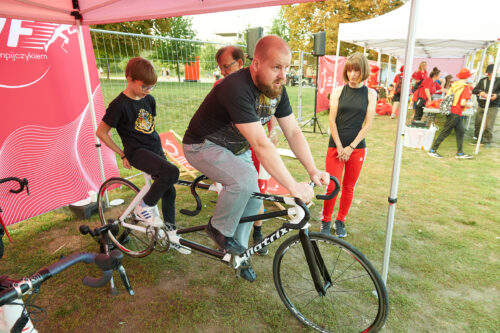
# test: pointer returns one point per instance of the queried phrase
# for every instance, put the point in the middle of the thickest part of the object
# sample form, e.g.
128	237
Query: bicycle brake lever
27	187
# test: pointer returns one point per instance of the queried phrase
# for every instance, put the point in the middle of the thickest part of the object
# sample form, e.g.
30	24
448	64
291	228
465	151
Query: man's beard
269	91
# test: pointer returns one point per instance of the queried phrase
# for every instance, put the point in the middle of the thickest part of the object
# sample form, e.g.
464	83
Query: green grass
443	273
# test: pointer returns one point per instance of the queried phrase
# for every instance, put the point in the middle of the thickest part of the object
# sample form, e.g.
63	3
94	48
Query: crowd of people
427	88
226	139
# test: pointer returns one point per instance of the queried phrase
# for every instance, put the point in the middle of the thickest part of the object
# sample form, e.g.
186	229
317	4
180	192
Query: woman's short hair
142	70
357	62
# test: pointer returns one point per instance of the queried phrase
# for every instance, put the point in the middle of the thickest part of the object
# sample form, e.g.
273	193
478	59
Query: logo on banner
24	45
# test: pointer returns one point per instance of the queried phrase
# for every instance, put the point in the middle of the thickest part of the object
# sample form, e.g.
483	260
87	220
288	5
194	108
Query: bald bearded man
224	127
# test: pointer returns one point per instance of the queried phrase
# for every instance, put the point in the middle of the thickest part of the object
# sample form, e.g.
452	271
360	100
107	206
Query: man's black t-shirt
134	122
236	100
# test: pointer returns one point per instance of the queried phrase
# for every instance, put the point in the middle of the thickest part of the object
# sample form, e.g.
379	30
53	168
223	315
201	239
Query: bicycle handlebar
300	208
103	261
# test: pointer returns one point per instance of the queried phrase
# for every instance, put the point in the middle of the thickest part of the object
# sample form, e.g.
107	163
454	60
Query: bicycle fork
319	272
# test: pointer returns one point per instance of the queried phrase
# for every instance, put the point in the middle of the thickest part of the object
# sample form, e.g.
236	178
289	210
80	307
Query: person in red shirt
229	59
421	73
373	78
424	93
398	82
462	93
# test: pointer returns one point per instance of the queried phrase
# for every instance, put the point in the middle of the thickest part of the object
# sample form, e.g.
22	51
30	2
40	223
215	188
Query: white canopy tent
446	29
424	28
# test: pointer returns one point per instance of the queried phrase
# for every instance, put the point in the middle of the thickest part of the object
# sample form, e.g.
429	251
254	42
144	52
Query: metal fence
186	73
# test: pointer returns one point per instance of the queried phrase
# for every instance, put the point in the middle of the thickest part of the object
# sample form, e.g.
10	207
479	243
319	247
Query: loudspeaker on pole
319	43
253	35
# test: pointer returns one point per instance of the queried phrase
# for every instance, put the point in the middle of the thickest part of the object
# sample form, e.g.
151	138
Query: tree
307	18
280	26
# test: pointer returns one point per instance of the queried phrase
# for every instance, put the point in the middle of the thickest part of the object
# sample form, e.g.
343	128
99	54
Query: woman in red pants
352	108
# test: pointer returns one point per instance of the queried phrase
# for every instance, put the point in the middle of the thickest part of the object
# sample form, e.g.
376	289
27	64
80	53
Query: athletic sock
257	231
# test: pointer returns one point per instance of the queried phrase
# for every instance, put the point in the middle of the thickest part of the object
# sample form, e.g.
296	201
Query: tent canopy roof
112	11
445	28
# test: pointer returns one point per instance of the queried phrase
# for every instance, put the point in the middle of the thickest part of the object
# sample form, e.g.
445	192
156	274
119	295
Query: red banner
326	72
46	132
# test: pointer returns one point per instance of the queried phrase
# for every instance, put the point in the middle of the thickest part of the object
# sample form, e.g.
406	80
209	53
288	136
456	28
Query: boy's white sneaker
148	215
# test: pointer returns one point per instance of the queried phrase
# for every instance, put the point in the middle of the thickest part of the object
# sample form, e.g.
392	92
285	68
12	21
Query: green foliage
207	57
307	18
280	26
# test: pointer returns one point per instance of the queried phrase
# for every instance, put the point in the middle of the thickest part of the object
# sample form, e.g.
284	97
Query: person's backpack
397	90
446	104
416	85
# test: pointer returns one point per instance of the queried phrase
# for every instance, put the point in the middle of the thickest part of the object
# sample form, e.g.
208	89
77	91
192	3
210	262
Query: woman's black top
351	113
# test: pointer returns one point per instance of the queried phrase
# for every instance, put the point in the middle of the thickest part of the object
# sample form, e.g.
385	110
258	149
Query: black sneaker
325	227
230	244
340	229
247	272
264	249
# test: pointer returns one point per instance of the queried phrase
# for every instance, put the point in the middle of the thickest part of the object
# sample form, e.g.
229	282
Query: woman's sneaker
325	228
340	229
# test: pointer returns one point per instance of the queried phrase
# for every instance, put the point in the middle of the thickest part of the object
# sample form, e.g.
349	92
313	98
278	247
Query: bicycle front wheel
115	197
355	301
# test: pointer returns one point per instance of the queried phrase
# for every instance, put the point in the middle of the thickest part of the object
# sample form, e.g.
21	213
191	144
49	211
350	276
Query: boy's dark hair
236	53
142	70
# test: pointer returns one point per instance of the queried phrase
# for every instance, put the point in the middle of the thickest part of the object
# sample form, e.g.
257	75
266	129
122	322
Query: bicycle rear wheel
356	300
115	195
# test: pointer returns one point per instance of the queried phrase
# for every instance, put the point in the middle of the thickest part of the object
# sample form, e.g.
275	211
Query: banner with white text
46	133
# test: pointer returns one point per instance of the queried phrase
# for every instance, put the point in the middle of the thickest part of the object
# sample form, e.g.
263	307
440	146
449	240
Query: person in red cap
398	82
462	93
373	78
481	90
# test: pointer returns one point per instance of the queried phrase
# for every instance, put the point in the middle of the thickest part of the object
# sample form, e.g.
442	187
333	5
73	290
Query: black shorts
396	97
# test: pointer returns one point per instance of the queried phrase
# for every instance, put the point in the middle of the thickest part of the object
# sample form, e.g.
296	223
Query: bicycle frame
299	222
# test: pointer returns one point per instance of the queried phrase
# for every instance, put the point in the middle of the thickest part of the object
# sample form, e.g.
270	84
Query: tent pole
488	98
389	72
300	73
398	150
89	94
336	64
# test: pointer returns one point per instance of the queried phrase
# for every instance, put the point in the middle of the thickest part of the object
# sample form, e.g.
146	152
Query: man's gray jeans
239	178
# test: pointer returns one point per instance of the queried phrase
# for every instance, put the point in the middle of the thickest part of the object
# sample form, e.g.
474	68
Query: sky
233	21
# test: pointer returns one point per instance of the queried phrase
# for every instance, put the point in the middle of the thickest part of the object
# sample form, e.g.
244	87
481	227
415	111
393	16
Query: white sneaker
148	214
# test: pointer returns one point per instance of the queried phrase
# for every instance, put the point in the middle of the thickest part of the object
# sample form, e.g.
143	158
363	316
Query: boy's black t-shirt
134	122
236	100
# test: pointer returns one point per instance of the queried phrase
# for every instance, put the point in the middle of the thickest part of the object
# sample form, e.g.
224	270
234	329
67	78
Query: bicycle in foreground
17	313
325	282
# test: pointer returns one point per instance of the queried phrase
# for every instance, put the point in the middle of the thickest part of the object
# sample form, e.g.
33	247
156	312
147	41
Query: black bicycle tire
383	299
122	182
